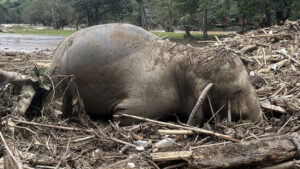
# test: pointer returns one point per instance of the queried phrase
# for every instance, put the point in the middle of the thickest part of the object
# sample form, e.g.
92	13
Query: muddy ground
28	43
49	140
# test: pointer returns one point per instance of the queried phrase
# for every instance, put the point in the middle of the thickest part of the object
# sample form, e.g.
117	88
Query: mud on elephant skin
121	68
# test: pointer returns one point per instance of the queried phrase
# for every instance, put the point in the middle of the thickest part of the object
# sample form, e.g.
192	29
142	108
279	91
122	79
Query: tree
282	10
61	13
204	5
188	10
93	12
162	13
37	11
3	11
193	6
144	21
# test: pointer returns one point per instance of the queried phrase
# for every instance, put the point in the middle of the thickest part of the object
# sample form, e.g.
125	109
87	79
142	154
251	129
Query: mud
29	43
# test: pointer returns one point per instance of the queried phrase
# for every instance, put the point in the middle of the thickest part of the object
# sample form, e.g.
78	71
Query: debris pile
273	57
49	140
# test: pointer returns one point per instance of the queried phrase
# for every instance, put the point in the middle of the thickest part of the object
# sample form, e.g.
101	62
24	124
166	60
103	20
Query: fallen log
263	152
248	48
290	164
27	89
13	77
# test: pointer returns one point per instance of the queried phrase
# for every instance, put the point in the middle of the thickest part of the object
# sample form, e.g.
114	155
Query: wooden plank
175	132
167	156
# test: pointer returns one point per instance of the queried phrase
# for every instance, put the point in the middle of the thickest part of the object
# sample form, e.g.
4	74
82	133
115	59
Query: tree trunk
187	34
143	14
267	13
282	16
96	21
169	27
205	35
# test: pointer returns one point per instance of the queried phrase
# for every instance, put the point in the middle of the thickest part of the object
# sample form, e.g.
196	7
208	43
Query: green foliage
180	35
166	13
51	32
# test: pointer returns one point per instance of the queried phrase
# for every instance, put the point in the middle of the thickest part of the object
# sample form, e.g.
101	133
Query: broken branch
195	129
175	132
18	163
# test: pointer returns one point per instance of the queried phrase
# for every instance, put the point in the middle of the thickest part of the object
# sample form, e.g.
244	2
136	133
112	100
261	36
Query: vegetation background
151	14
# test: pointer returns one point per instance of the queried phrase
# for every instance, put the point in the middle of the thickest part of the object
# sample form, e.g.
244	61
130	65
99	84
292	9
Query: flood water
29	43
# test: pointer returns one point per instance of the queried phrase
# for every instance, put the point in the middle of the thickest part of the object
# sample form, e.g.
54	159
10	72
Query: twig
194	118
122	142
195	129
154	164
124	148
284	125
83	139
218	39
71	129
279	90
209	145
211	108
23	128
180	165
52	126
64	156
290	57
229	112
18	163
215	113
264	55
53	87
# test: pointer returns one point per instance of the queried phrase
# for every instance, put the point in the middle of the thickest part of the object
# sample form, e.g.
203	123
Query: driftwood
272	107
13	77
279	64
286	165
27	90
167	156
248	49
175	132
265	152
10	160
27	94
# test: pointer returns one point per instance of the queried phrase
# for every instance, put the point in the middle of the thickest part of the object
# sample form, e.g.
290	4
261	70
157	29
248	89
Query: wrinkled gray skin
121	68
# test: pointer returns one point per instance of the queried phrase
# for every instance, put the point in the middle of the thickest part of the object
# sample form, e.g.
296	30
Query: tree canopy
165	13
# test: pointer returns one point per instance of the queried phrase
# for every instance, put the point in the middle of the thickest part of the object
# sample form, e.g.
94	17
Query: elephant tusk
197	111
